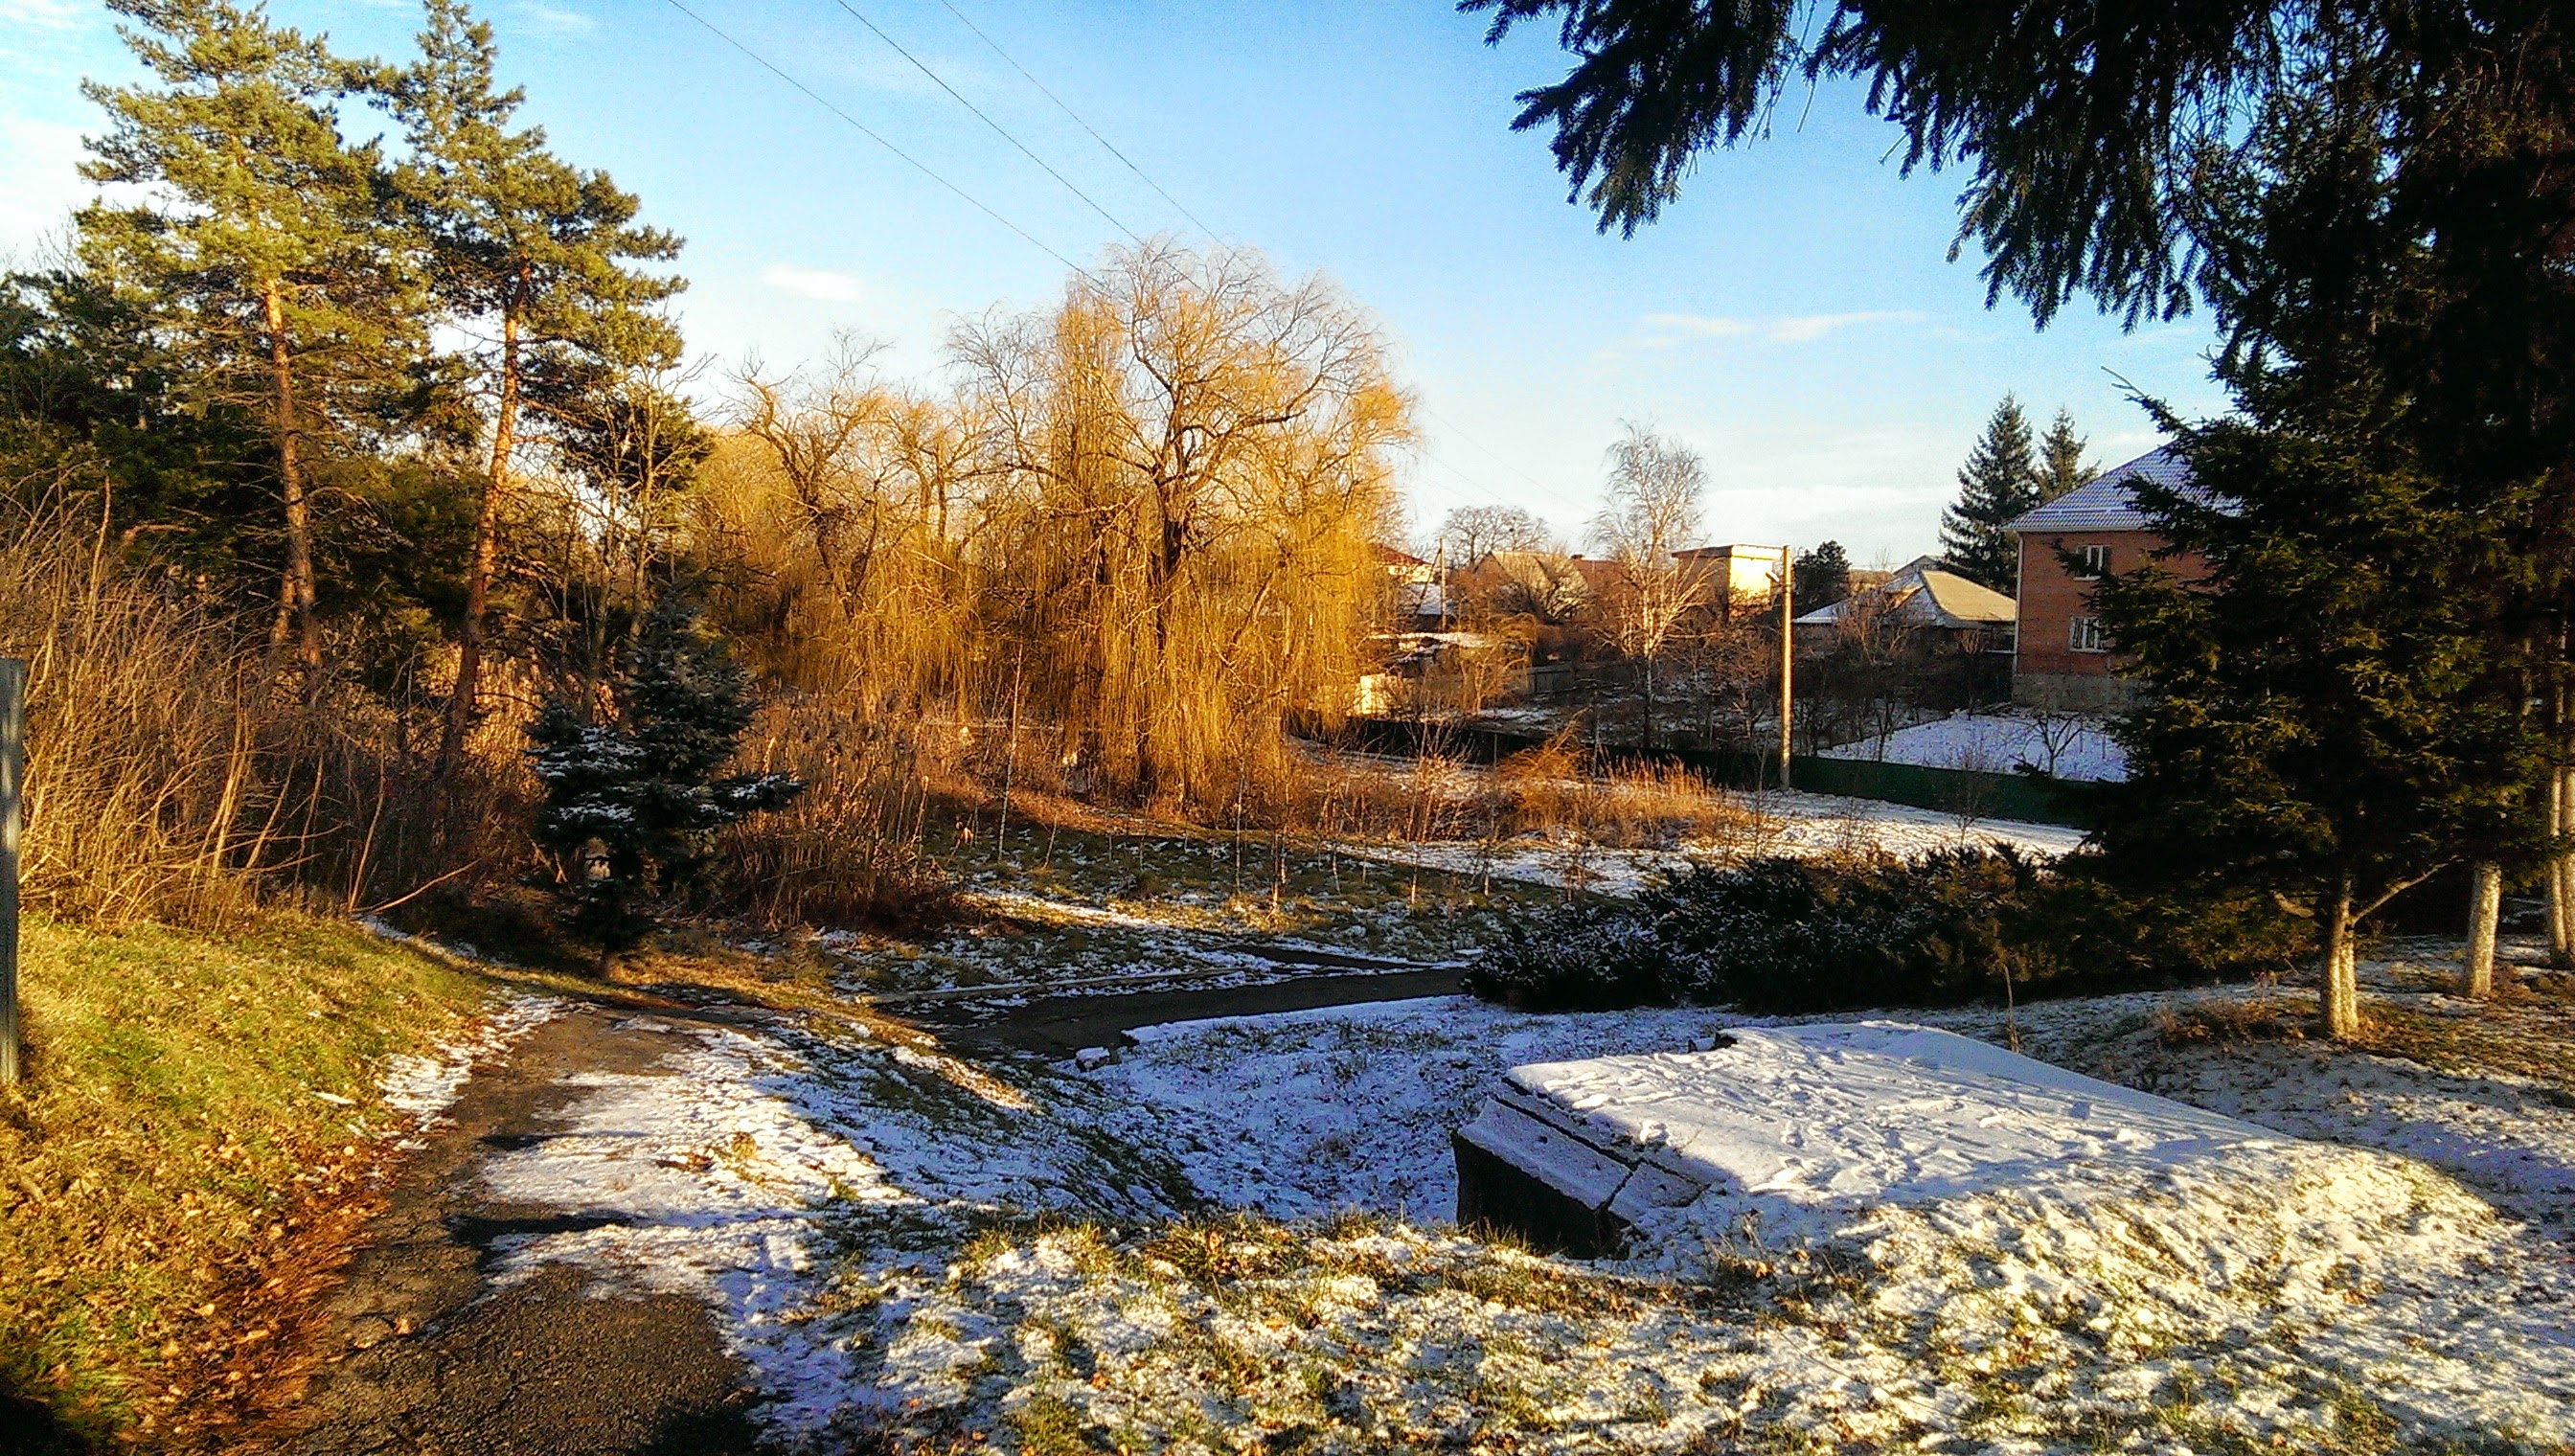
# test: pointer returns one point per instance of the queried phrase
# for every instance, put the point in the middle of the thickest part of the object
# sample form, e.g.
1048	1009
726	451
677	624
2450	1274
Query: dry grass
850	849
2227	1021
148	789
1552	790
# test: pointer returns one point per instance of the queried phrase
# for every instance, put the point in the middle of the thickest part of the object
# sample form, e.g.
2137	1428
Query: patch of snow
2170	1255
1776	821
1999	742
423	1085
1790	1122
703	1181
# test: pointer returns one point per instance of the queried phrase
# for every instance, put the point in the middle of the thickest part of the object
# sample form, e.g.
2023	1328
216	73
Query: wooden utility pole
13	764
1787	657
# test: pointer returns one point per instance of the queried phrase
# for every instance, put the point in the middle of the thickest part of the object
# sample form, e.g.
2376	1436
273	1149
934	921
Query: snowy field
1999	742
1231	1237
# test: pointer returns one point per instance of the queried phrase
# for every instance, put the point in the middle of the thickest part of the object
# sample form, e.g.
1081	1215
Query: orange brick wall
2050	597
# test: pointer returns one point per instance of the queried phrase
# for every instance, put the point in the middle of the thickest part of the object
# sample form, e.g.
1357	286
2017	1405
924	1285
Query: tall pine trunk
2341	966
2485	911
487	552
296	593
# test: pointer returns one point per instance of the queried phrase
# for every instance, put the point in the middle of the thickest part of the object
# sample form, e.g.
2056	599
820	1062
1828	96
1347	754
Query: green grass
174	1135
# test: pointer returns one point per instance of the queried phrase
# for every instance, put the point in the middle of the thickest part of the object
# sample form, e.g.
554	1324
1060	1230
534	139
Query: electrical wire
981	115
1067	109
872	134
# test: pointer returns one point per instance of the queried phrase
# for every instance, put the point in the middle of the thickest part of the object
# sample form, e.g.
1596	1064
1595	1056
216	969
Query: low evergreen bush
1782	936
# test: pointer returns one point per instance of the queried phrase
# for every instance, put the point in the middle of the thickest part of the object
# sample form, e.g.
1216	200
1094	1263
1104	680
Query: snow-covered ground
2001	743
1233	1233
1771	821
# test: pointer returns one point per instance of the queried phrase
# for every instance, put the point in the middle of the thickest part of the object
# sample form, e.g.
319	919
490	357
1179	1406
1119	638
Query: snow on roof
1963	602
1792	1120
2106	502
1927	596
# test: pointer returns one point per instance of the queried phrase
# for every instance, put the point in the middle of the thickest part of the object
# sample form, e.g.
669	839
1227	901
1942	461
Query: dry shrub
1553	789
173	776
2226	1021
851	848
147	794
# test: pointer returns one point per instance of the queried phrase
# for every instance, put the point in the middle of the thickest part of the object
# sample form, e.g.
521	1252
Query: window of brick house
2084	634
2096	562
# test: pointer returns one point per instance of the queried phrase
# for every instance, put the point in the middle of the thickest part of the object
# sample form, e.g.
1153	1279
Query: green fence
1961	791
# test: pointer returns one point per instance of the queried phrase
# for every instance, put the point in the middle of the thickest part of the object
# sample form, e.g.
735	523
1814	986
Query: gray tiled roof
2104	502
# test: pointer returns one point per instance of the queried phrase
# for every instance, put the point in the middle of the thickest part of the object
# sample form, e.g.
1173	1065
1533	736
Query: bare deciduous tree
1656	488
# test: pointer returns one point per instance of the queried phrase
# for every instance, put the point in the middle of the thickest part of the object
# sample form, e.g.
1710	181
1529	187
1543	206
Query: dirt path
1058	1027
426	1353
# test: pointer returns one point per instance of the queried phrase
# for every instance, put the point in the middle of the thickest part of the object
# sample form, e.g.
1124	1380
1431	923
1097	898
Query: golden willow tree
1187	467
1145	522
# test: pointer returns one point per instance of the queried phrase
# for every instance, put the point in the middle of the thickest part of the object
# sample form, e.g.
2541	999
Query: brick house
2061	659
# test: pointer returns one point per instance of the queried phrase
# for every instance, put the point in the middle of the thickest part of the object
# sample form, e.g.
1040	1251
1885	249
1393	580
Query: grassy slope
172	1138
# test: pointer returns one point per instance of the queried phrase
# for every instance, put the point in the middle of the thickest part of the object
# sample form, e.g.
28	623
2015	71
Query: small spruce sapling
630	804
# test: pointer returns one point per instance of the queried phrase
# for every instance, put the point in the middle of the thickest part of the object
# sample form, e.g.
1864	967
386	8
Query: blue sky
1794	318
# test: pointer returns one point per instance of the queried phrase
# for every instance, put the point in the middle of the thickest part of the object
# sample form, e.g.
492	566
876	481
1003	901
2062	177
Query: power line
866	131
1554	492
981	115
1062	106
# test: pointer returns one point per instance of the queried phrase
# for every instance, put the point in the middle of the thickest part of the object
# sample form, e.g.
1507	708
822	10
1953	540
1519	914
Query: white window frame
2096	561
2084	634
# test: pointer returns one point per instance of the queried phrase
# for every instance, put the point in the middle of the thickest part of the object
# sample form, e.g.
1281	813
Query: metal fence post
13	766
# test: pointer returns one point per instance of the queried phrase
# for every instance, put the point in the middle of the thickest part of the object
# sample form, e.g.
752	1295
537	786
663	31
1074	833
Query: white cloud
1664	330
1660	329
1800	328
557	20
44	14
816	283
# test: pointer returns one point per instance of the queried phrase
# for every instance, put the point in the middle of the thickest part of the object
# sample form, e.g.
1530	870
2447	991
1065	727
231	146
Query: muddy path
425	1350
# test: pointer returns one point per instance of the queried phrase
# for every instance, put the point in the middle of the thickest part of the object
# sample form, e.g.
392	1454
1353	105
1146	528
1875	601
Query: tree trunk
296	591
1649	702
487	552
2341	968
2485	909
2561	867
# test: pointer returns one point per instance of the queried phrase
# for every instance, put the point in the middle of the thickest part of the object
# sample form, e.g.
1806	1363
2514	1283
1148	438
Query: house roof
2107	501
1926	595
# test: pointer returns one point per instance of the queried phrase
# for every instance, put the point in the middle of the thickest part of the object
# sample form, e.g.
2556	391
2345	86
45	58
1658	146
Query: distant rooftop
2107	501
1927	596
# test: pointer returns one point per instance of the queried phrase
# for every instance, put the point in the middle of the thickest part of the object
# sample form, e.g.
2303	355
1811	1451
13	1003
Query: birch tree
1658	490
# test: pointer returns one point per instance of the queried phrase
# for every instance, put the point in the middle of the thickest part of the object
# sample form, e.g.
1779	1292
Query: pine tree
2000	482
263	245
532	255
2062	463
632	802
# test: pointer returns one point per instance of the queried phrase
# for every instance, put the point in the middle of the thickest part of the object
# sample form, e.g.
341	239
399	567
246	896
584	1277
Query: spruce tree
262	244
2062	463
2329	717
1823	577
634	799
532	256
2001	481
